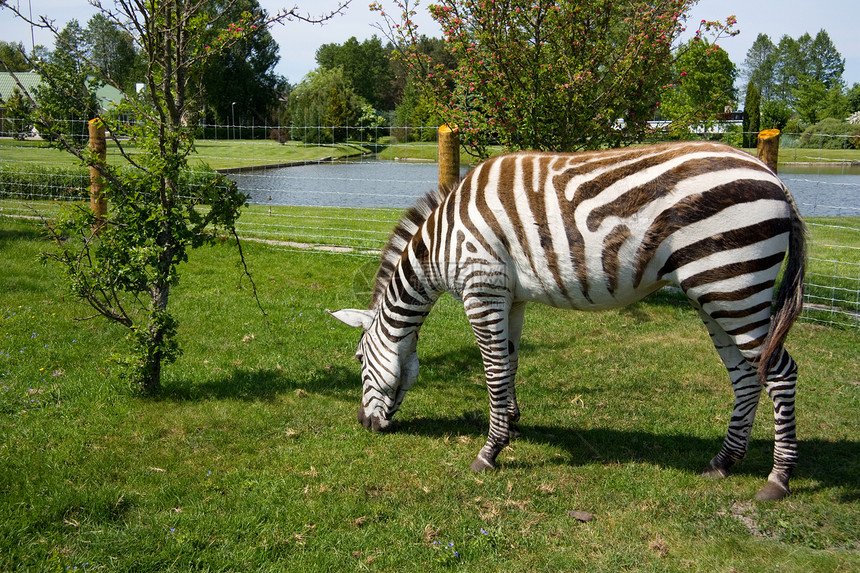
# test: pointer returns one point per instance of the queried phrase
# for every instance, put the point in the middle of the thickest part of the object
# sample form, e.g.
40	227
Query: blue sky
299	41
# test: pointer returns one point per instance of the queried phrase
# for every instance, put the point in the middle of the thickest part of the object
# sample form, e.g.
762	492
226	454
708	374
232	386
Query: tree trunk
158	327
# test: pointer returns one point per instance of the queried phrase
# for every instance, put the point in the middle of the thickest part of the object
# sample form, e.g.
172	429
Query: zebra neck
410	295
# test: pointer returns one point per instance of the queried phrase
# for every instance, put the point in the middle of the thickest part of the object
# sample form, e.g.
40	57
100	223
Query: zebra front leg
491	327
780	384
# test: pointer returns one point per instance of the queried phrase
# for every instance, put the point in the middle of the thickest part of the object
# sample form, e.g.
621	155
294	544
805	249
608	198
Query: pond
825	191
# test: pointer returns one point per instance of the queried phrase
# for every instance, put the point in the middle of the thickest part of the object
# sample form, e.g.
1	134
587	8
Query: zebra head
388	367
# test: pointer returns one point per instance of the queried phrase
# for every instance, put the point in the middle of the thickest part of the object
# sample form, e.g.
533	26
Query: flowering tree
542	74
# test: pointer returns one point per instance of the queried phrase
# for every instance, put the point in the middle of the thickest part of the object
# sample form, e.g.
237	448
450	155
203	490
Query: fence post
449	158
98	147
768	147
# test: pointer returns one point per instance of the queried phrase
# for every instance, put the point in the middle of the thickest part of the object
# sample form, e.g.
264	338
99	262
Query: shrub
831	134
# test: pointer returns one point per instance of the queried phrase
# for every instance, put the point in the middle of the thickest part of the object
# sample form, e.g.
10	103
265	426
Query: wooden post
98	147
768	147
449	158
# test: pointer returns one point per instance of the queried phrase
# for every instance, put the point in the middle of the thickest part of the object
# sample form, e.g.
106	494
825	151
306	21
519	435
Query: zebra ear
354	317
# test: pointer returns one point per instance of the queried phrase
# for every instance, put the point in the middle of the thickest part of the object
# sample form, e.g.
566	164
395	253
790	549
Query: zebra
594	231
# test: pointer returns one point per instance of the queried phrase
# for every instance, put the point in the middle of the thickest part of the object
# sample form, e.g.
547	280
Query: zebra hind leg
516	318
780	384
747	391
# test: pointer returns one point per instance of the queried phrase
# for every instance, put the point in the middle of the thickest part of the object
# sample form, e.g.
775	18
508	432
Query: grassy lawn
218	154
231	154
832	278
252	458
818	155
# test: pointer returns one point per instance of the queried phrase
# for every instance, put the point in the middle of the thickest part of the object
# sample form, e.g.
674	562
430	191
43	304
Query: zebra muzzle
373	422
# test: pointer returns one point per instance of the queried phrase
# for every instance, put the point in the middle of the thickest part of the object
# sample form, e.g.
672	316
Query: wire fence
346	197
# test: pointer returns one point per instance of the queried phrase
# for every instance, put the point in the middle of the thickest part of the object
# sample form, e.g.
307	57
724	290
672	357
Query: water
824	191
342	184
820	191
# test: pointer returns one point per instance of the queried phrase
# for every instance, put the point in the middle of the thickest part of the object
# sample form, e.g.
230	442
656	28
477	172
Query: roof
108	96
8	84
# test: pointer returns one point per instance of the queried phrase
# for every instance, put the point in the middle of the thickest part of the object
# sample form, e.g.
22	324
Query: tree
243	72
854	98
124	266
802	67
111	50
434	51
758	67
788	67
775	114
835	103
752	115
67	94
809	99
705	88
826	64
323	106
366	66
544	74
18	110
13	57
413	113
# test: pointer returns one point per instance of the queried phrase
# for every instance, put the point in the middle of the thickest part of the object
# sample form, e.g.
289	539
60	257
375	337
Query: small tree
752	115
18	110
775	114
125	268
853	97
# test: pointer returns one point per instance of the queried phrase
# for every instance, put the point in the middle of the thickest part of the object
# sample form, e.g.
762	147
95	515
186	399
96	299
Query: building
108	96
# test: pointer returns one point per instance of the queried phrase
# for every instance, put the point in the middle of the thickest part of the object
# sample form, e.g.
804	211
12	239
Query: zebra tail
789	299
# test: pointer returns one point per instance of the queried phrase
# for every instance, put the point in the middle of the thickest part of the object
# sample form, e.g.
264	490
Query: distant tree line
361	85
537	74
796	84
237	84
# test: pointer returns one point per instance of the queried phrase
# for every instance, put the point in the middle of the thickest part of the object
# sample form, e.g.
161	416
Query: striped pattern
595	231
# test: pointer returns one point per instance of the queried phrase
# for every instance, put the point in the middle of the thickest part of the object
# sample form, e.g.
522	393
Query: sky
298	41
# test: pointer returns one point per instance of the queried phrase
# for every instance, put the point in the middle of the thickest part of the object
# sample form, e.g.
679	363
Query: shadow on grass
832	464
263	385
22	230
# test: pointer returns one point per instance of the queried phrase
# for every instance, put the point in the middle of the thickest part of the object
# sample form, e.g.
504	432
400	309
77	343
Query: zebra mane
400	237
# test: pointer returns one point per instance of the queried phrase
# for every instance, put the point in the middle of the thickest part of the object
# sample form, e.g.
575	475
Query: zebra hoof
480	465
772	492
714	472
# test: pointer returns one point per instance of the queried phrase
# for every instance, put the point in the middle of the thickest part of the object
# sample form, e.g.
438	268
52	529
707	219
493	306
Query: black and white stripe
594	231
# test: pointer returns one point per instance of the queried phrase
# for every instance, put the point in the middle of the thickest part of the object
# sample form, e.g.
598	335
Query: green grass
795	154
231	154
360	229
832	278
252	459
218	154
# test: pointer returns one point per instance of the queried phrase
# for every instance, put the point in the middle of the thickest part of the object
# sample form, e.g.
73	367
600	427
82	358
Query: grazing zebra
594	231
